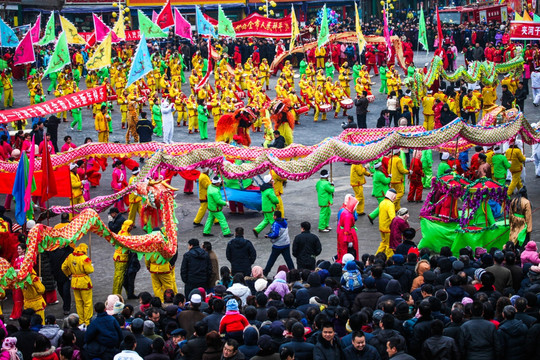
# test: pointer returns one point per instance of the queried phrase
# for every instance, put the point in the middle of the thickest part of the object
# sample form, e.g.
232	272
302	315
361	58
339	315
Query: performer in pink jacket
346	230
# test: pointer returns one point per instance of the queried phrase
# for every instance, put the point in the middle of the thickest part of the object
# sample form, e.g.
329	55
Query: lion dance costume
236	123
283	118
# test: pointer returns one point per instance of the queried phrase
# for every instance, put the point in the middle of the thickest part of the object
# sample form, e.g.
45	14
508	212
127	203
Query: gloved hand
350	244
110	218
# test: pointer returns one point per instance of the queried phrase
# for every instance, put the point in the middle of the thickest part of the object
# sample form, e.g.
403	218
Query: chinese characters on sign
524	30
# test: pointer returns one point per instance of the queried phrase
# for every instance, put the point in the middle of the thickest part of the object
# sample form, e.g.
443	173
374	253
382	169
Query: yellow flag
102	55
72	34
526	16
518	17
119	28
294	29
359	34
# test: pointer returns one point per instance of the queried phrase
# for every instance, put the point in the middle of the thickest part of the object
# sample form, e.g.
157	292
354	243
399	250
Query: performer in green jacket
215	204
427	167
381	184
156	115
269	203
325	197
443	166
500	166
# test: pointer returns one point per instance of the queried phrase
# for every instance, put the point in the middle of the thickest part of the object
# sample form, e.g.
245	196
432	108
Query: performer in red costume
346	230
236	123
415	178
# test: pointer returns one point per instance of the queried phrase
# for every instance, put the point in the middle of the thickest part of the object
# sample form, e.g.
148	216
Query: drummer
321	104
338	97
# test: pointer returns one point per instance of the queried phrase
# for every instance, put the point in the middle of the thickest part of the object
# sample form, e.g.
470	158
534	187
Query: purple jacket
279	285
530	255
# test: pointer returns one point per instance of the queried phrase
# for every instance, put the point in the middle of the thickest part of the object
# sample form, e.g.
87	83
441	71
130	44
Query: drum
346	104
238	105
297	76
324	108
209	107
302	110
240	94
371	98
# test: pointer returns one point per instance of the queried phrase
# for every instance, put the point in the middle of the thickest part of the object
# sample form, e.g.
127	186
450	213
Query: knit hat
369	282
445	156
324	173
513	299
257	271
391	194
30	224
232	305
398	259
118	307
260	285
479	251
267	178
195	299
9	343
466	300
346	258
148	327
137	323
478	273
402	211
378	315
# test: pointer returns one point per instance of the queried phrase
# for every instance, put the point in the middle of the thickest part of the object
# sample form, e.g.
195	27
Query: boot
123	126
185	123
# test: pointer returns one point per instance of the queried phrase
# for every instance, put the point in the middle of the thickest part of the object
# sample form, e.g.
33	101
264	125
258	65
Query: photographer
350	124
361	102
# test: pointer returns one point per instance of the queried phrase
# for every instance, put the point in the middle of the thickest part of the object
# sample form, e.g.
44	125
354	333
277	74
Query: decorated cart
481	222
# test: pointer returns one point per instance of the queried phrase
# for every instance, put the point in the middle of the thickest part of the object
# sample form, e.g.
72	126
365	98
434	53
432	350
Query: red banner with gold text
64	103
259	26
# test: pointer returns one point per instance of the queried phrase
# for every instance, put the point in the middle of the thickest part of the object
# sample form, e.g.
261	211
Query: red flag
48	182
165	17
205	79
439	29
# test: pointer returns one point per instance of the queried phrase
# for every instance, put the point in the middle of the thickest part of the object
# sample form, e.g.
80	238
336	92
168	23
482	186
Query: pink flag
154	16
31	162
387	33
182	27
36	29
101	30
24	53
165	17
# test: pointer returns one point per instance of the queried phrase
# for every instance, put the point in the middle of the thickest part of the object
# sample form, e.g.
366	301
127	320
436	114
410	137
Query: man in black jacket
241	253
196	267
521	96
328	346
52	128
26	338
196	345
306	247
279	141
478	339
507	97
115	220
438	346
145	129
361	102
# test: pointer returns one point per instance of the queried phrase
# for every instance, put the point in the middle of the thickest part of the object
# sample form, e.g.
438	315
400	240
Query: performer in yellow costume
204	182
429	114
120	258
33	295
397	172
161	275
278	190
358	179
78	266
320	53
387	213
192	113
134	200
516	159
7	83
102	125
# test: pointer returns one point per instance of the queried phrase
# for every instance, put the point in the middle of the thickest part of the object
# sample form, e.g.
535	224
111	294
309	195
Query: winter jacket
302	350
512	335
530	254
233	321
393	291
306	247
194	348
250	348
104	329
366	298
241	254
187	319
455	294
268	198
51	332
315	288
279	285
440	348
241	291
478	340
196	268
369	353
280	234
324	350
401	274
45	355
380	338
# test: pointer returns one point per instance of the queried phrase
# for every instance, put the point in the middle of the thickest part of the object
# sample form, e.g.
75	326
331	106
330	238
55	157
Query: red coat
256	58
346	233
417	173
370	58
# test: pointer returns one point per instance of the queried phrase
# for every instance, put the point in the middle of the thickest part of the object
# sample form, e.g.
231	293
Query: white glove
110	218
350	244
84	182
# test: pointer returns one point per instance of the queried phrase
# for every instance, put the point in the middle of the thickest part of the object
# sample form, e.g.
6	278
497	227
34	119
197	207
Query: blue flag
8	37
203	26
142	64
19	190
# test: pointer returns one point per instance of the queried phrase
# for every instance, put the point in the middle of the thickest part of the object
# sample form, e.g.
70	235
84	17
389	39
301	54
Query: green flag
225	26
148	28
422	35
324	32
48	37
60	56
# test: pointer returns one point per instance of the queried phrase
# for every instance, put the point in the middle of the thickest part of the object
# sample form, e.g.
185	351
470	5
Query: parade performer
320	99
236	123
118	183
397	172
78	266
132	117
202	113
444	167
283	118
33	295
516	159
358	179
381	184
415	179
325	199
387	213
204	183
77	119
520	218
76	186
278	190
347	239
215	204
134	200
102	125
269	204
120	258
429	115
320	53
193	123
7	83
168	121
156	117
161	275
499	166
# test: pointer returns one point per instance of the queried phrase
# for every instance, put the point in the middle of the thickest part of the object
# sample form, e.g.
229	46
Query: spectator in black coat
479	337
368	297
52	129
213	320
103	335
328	346
512	335
145	128
241	253
302	350
383	334
521	96
157	350
194	348
306	247
407	244
439	347
316	289
25	337
196	267
360	350
507	97
56	259
144	344
422	328
279	141
115	220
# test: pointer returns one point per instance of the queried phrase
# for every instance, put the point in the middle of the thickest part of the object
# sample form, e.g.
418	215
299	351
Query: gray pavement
299	199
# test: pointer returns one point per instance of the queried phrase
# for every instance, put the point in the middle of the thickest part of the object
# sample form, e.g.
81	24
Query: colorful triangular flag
203	26
422	34
165	17
225	25
60	56
295	31
101	30
518	17
119	28
324	31
154	16
526	16
536	18
49	36
102	56
141	64
24	54
7	35
359	34
182	27
148	28
72	35
36	29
